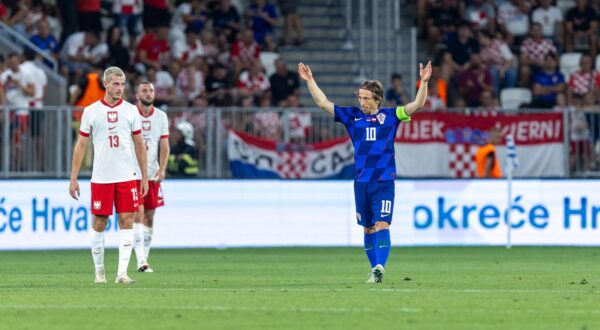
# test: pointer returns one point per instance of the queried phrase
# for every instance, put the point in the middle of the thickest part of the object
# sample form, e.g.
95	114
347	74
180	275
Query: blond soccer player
116	130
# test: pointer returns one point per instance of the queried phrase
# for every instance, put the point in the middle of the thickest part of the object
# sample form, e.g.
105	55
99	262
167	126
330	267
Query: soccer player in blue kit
372	130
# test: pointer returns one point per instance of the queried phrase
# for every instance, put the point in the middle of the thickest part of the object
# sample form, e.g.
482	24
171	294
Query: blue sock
370	241
382	247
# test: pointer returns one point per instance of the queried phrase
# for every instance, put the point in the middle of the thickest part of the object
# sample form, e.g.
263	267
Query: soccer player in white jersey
155	132
116	129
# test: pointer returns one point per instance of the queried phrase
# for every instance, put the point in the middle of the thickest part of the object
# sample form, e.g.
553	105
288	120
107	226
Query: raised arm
316	93
419	101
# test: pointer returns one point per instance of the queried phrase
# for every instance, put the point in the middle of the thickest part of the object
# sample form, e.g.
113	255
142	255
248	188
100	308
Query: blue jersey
373	140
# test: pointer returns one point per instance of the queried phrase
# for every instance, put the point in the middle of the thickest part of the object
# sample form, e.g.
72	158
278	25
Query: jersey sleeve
85	128
164	126
136	124
341	114
401	114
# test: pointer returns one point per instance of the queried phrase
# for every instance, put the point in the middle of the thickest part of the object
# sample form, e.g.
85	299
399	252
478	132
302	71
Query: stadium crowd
487	52
481	47
197	53
208	53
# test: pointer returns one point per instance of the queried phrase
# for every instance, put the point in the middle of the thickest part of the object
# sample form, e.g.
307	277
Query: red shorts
123	194
581	147
154	198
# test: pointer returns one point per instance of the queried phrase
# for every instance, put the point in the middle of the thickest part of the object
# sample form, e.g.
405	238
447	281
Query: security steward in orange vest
88	91
486	157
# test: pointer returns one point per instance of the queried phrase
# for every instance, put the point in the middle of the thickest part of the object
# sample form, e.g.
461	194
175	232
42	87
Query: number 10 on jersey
371	133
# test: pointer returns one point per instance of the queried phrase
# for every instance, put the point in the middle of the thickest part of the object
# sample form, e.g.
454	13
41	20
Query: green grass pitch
307	288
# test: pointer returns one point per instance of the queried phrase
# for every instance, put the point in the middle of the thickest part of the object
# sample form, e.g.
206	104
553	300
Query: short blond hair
112	71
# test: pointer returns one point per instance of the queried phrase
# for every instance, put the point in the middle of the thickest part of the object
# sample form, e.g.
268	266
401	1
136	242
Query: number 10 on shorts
386	207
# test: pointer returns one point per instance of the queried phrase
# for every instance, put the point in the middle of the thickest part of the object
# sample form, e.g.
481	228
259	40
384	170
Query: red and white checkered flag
292	164
461	161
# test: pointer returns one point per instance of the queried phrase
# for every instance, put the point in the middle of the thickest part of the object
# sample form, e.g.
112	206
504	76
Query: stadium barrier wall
40	144
232	213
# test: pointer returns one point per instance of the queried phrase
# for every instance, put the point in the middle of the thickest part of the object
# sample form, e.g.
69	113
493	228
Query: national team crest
112	116
146	125
381	118
97	205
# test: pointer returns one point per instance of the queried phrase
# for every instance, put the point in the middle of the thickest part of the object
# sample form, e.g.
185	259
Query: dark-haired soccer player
155	132
372	130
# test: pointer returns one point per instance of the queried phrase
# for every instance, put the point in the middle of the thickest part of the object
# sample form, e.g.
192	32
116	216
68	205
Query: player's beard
146	103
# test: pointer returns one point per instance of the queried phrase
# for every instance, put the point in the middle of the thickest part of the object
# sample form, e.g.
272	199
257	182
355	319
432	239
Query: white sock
147	240
125	246
138	244
98	249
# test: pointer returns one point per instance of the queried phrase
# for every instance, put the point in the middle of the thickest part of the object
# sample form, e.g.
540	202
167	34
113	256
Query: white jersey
14	94
40	82
112	129
155	126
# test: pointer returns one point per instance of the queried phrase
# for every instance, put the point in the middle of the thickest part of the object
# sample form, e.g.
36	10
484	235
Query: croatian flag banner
255	157
444	144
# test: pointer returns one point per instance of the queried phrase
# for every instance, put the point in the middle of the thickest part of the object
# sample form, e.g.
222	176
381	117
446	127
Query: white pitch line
213	308
356	288
219	308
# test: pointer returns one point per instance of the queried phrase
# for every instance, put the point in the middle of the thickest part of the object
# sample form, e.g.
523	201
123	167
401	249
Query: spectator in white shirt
19	85
164	86
190	49
550	18
513	17
190	81
83	48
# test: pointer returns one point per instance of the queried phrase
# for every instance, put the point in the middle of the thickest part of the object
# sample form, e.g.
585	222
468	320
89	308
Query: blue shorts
374	202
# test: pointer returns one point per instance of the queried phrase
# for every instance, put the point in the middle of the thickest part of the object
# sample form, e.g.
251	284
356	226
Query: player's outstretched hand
304	72
74	189
144	188
425	72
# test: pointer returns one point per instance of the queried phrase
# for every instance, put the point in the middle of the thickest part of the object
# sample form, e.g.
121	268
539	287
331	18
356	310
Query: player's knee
149	222
149	218
100	223
381	225
126	220
370	230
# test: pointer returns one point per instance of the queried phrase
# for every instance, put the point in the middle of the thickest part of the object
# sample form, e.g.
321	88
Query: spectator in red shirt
474	81
4	13
244	52
153	49
88	15
583	82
